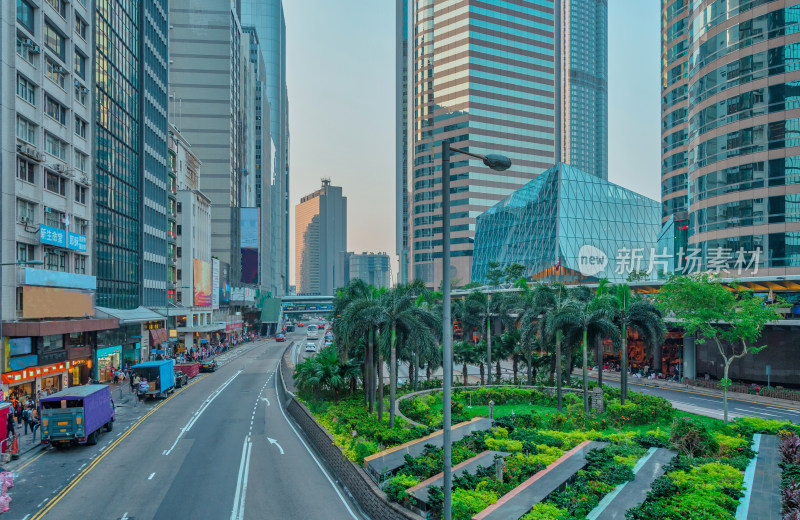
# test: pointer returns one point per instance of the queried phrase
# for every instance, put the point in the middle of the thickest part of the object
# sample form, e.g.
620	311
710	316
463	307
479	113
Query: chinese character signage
76	242
215	284
52	236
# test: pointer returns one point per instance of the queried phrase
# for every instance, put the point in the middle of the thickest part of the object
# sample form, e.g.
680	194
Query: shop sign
19	376
233	326
109	351
79	353
52	236
18	363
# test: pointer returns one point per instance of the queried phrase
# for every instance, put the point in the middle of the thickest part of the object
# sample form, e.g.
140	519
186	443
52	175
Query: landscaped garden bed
790	474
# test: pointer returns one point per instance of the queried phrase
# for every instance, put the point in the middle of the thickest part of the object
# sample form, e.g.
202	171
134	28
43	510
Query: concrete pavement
222	448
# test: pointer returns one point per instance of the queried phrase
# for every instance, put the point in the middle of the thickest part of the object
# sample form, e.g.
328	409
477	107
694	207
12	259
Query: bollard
491	409
498	469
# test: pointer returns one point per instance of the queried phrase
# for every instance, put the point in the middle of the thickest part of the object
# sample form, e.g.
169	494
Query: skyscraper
491	78
729	130
401	140
131	179
320	240
268	19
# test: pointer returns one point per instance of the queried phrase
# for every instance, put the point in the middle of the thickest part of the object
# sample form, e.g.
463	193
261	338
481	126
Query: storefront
36	381
107	357
80	358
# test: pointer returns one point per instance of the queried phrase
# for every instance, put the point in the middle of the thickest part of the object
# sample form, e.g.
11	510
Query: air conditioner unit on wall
60	168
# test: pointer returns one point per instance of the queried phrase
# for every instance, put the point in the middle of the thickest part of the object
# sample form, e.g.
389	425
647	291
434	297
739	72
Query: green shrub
545	511
692	438
466	503
747	426
395	488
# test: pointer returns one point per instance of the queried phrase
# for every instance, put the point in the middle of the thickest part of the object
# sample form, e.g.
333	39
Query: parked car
311	347
328	342
280	337
181	379
209	365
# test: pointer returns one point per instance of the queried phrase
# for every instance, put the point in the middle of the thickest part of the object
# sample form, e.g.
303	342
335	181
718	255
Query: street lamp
18	262
497	163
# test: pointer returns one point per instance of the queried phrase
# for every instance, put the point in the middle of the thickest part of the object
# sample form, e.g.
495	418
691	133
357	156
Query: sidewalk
682	387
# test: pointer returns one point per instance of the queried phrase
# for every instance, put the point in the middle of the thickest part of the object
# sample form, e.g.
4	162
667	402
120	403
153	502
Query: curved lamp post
498	163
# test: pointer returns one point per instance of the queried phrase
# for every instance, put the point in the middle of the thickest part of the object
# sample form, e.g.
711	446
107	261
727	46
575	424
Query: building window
55	41
180	276
56	184
26	130
180	252
55	72
80	93
53	218
80	65
80	161
25	211
25	252
55	146
60	6
81	27
55	260
80	226
25	14
80	264
80	194
80	127
26	170
180	207
26	90
19	299
55	110
25	49
180	229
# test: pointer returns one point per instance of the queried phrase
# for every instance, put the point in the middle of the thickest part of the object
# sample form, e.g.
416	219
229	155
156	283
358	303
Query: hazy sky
340	68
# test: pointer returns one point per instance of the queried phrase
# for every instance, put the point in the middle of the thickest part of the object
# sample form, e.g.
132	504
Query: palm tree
638	314
481	308
503	347
464	353
512	344
399	318
352	325
550	300
324	371
589	319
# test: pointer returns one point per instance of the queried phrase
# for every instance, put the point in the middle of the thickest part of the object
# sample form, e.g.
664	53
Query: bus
312	332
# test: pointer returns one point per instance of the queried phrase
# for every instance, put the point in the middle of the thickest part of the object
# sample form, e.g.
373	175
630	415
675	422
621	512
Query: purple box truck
75	415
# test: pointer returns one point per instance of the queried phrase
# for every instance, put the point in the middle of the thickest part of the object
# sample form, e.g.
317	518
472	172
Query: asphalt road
222	448
699	402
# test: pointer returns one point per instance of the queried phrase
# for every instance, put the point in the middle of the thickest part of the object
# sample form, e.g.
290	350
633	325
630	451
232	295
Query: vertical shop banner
214	284
248	218
202	282
224	283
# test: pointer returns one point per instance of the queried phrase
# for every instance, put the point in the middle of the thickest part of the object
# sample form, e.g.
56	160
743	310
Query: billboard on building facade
214	284
224	283
202	282
53	302
248	218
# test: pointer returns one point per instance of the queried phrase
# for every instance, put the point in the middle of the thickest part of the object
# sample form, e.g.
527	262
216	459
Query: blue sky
340	68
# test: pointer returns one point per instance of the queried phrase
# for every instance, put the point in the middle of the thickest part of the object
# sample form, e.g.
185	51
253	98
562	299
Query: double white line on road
241	483
196	415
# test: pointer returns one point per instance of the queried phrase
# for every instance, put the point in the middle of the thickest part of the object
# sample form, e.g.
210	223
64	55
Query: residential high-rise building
729	143
268	19
373	268
132	179
491	78
205	89
320	240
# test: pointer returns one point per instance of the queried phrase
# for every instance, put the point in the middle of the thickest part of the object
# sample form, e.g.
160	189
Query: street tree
732	317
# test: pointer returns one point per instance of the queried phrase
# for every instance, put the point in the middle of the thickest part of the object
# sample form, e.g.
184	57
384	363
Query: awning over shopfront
126	316
50	328
214	327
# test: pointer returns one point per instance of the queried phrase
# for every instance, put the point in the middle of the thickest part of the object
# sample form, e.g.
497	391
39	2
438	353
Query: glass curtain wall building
268	19
118	184
401	140
488	77
567	225
731	84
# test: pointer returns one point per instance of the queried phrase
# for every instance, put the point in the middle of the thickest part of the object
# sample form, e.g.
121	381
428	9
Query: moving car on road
181	379
280	337
311	346
301	324
208	365
312	332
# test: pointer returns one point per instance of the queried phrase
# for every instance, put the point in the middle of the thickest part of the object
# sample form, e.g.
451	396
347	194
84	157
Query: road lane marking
151	476
241	482
324	472
96	460
196	415
273	441
32	460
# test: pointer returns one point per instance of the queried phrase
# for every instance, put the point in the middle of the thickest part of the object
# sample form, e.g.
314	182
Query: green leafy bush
395	488
545	511
466	503
692	438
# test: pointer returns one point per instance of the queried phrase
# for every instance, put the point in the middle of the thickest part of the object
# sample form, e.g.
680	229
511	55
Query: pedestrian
133	382
35	423
18	412
26	418
10	425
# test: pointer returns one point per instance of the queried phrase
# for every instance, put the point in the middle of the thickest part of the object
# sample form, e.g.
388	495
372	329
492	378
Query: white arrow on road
265	399
273	441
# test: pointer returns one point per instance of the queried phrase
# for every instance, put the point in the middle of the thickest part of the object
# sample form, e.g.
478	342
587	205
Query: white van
312	332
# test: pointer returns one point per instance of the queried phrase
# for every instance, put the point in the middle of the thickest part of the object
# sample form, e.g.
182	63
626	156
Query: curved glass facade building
567	225
731	126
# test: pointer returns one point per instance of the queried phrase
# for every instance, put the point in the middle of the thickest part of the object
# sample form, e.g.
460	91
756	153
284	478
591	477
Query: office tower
491	78
401	140
268	19
205	90
729	153
373	268
320	240
132	179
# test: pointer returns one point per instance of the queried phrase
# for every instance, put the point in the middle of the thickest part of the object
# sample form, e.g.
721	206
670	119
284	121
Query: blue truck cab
160	377
75	415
